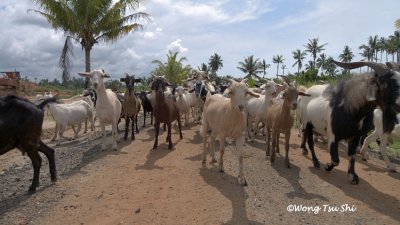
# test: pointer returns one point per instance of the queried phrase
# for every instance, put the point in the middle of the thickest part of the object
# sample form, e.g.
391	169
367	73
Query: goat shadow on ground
228	186
292	175
363	192
153	156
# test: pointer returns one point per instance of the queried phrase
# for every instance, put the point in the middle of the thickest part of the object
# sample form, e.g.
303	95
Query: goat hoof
316	164
353	178
53	178
242	182
329	167
32	190
221	171
364	159
133	138
393	170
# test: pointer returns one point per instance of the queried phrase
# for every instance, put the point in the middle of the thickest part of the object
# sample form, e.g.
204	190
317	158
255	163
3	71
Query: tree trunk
87	63
277	70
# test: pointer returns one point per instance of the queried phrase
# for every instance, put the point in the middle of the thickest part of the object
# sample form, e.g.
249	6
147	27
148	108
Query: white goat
183	103
378	133
108	107
226	118
257	108
70	114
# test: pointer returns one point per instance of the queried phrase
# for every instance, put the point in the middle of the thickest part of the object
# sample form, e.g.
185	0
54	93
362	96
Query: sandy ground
138	185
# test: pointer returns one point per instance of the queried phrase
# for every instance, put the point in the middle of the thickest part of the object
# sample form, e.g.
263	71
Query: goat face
270	88
180	90
238	93
96	77
159	84
130	81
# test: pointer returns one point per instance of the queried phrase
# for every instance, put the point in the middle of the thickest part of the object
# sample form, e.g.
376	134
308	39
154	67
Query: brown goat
165	109
280	120
130	105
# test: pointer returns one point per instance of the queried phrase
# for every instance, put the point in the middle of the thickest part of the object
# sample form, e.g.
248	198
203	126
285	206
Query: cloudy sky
197	29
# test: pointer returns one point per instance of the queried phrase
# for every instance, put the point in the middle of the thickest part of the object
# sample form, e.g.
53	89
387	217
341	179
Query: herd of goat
347	110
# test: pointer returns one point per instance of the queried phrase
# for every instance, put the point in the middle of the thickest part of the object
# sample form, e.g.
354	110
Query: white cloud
176	46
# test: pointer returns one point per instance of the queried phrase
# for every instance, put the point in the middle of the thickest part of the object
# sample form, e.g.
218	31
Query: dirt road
138	185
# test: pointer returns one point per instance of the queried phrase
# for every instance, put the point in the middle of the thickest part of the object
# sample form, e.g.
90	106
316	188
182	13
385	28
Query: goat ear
105	76
251	93
84	74
303	94
138	80
191	91
122	79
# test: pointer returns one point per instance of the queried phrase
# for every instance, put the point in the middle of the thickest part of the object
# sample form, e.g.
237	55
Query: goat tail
47	101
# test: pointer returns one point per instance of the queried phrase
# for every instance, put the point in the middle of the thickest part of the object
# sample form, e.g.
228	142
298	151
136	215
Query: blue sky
232	28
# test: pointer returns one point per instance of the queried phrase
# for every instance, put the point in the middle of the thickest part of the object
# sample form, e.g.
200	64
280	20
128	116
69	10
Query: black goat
20	127
147	107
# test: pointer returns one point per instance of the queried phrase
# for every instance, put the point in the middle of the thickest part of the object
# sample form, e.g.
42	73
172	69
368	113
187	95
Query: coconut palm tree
173	69
382	43
395	45
250	66
322	62
88	23
204	67
331	66
215	63
283	67
314	48
299	56
264	66
346	56
277	59
309	65
373	44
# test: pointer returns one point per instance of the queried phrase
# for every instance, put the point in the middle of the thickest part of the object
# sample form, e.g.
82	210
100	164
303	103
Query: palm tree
346	56
382	43
204	67
395	42
373	44
264	66
283	67
250	66
322	62
331	66
299	56
215	63
88	23
309	65
314	48
277	59
173	69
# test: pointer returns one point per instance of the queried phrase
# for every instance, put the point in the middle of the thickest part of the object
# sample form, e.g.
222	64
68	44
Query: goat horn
232	81
379	68
286	79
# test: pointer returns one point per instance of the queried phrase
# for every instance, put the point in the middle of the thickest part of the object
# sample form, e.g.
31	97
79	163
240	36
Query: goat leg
133	130
157	127
169	125
36	163
49	153
137	129
126	127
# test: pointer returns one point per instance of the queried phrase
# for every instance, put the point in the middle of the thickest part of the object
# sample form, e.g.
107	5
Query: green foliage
114	85
173	69
251	82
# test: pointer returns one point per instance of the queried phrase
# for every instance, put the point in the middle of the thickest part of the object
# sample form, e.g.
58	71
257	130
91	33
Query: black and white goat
346	110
